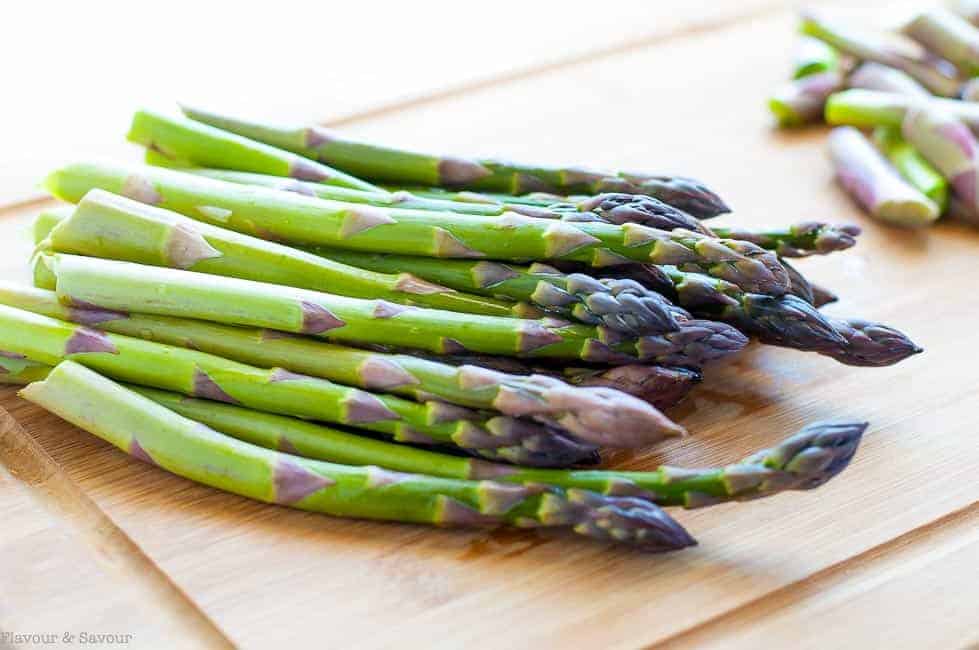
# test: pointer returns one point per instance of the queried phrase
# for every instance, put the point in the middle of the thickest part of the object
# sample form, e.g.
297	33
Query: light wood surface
887	554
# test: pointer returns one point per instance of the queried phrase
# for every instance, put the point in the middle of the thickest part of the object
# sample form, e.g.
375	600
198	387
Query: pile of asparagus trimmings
208	289
920	101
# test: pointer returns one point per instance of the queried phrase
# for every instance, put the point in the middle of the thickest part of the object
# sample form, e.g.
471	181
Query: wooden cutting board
886	554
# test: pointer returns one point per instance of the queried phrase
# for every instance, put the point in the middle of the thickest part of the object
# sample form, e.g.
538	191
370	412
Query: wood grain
895	535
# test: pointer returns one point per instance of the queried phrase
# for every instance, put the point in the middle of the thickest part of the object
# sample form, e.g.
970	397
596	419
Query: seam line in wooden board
726	624
46	482
651	39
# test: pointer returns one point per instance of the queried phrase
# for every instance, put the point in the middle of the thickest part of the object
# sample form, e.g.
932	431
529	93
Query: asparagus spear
411	168
114	227
786	321
169	292
874	184
869	108
191	372
611	208
619	305
801	287
157	435
821	296
200	144
915	169
583	412
18	369
295	219
798	240
804	461
948	36
813	56
947	144
874	76
938	76
106	225
801	101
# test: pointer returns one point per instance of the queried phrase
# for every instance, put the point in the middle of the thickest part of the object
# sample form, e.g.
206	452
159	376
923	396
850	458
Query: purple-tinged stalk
948	36
875	76
940	77
801	101
949	145
874	184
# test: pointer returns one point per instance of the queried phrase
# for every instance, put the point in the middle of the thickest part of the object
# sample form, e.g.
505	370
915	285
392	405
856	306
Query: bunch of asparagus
916	94
311	320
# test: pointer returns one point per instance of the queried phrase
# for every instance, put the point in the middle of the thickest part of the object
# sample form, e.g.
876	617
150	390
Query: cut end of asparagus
808	459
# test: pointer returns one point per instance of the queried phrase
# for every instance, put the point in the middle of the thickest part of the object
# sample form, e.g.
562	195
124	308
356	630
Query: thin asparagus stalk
200	144
803	461
915	169
169	292
18	370
296	219
610	208
786	321
107	225
813	56
156	435
619	305
949	145
114	227
583	412
411	168
874	76
874	184
798	240
195	373
939	77
801	101
948	36
869	108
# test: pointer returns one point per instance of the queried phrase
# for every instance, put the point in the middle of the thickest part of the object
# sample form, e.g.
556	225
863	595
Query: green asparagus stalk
874	76
668	334
156	435
619	305
169	292
295	219
200	144
939	77
798	240
786	321
685	194
111	226
813	56
949	36
18	370
915	169
804	461
584	412
195	373
411	168
801	101
874	184
948	144
611	208
106	225
869	108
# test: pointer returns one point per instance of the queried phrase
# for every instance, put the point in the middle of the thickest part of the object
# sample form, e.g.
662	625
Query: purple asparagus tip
814	455
871	344
628	520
